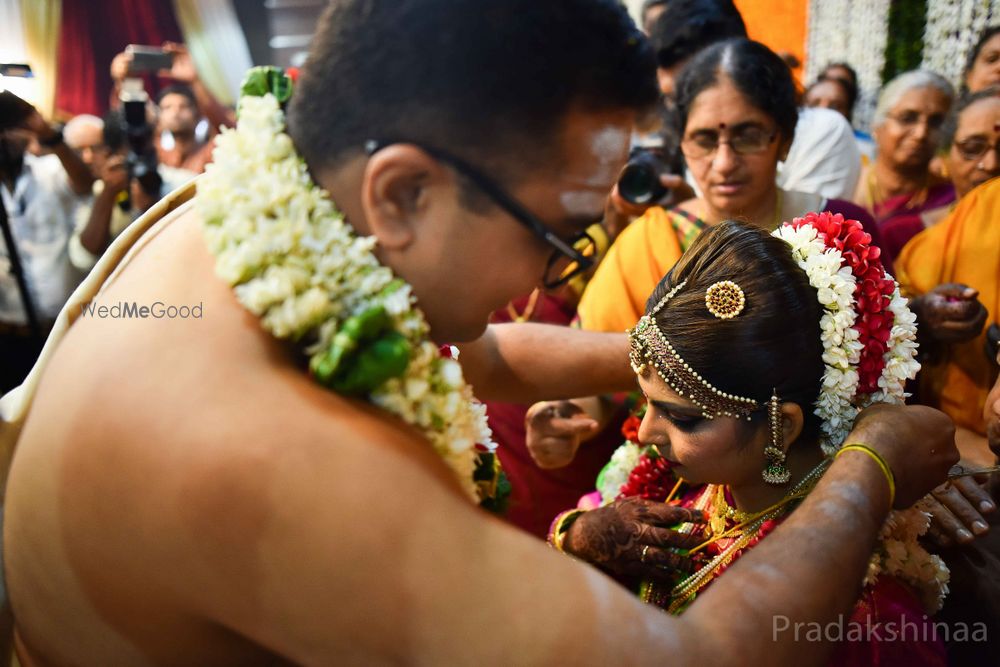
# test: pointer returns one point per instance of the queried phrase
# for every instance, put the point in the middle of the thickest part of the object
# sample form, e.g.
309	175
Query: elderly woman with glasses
971	138
737	110
907	126
962	250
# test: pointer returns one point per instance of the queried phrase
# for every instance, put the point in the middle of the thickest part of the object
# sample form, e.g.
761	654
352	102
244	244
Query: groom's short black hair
489	80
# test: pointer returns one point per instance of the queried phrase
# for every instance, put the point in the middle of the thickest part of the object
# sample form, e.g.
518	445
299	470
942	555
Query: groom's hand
917	442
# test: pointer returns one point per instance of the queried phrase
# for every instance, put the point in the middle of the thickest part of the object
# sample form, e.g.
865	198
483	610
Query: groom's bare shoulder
195	456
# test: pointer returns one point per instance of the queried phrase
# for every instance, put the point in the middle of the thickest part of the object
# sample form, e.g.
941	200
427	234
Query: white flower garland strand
953	27
835	285
867	23
899	554
615	474
901	357
298	265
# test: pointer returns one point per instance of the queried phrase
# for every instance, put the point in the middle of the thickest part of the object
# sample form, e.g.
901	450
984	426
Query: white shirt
172	178
824	157
40	210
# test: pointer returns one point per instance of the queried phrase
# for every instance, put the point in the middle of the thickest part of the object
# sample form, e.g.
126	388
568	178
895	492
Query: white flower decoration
296	264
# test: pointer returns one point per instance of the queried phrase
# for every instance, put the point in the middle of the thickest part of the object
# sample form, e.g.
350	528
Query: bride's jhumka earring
775	471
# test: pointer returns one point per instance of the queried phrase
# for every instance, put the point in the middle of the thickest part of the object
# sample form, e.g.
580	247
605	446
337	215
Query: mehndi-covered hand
631	536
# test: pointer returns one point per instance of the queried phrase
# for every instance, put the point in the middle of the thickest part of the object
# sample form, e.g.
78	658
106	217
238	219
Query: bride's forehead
655	388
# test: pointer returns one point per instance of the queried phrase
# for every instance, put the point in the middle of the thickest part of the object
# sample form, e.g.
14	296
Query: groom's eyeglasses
569	258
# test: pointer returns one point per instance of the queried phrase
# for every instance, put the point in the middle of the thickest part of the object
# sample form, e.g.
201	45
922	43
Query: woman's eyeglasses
976	147
744	141
910	119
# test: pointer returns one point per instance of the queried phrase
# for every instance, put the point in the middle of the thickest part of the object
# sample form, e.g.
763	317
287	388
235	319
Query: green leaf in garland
364	354
374	364
260	81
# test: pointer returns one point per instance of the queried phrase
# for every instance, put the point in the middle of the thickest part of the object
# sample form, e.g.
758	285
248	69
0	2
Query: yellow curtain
41	41
217	45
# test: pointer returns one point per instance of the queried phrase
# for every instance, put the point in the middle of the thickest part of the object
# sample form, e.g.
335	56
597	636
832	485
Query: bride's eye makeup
685	421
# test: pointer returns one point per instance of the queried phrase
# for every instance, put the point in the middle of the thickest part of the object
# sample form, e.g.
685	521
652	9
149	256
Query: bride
755	353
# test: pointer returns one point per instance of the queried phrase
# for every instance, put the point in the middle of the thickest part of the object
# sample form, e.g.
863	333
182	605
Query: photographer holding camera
39	195
180	142
130	182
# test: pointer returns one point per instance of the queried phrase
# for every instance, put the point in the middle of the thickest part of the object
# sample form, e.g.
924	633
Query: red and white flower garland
869	348
869	334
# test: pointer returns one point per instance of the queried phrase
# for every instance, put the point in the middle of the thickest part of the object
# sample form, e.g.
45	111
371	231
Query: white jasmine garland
901	357
615	474
296	264
867	23
952	28
899	554
841	349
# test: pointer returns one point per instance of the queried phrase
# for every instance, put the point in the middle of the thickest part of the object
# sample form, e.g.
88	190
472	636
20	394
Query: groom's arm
369	554
525	363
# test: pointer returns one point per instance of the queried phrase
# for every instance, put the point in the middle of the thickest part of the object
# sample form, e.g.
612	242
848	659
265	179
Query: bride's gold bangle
560	526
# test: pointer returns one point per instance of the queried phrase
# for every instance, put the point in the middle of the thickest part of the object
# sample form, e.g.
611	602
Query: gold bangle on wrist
560	527
886	470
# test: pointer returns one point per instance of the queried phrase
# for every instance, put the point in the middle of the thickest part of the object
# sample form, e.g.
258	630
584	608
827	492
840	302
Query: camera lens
639	182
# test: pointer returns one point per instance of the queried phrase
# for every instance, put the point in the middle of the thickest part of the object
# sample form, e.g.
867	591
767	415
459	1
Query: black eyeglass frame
561	249
704	152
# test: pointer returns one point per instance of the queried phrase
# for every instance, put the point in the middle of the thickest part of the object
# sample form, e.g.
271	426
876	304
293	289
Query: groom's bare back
183	494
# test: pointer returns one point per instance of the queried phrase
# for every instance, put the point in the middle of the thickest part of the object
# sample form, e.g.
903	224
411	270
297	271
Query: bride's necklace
723	513
741	534
295	263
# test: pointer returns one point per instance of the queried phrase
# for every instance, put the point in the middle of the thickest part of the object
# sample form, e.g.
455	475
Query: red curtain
92	33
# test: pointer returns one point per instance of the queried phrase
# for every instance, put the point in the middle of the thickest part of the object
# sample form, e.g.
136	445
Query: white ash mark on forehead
582	202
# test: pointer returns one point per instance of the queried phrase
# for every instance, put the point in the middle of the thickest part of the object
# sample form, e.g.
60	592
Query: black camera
142	162
13	110
639	182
